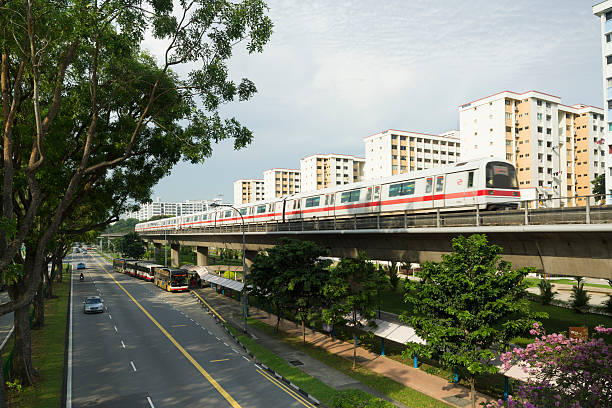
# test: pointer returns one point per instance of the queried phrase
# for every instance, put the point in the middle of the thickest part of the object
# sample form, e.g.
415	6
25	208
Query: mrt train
489	184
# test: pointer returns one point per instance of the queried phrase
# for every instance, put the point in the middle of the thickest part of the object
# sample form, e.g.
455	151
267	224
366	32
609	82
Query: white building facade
320	171
248	190
397	151
603	10
557	149
158	208
281	182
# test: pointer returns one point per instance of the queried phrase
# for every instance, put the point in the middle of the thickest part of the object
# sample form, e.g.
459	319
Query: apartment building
397	151
248	190
280	182
556	149
158	207
326	170
603	10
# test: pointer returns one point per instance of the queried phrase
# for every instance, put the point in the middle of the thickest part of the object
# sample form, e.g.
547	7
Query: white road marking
116	331
209	332
133	366
258	366
226	345
122	344
218	338
245	357
235	351
110	317
150	402
254	338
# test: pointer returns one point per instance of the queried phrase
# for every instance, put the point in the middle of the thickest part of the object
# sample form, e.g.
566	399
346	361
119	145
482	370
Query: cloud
335	72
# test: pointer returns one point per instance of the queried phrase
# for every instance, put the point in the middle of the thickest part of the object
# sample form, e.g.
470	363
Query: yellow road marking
180	348
287	389
179	325
216	361
213	310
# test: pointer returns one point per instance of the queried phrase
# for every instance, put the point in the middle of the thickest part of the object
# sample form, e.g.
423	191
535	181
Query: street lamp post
165	247
244	269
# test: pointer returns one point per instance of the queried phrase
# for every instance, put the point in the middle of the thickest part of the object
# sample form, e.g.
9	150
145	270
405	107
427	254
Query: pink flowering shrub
564	372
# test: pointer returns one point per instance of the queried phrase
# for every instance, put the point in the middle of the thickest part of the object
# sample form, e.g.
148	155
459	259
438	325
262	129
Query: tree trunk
3	403
473	391
278	318
39	308
23	369
355	351
303	332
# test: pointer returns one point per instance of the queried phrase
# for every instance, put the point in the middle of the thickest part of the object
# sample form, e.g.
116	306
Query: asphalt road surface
156	349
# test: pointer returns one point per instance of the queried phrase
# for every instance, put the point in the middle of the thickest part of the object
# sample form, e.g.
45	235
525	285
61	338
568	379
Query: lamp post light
244	269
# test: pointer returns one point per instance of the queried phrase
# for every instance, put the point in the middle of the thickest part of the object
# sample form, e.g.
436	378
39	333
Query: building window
548	131
609	59
539	129
539	103
539	116
548	104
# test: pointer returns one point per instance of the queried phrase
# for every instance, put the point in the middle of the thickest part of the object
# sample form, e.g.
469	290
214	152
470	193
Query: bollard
416	362
456	377
506	388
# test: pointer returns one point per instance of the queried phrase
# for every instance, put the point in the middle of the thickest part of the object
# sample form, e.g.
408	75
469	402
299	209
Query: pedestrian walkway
434	386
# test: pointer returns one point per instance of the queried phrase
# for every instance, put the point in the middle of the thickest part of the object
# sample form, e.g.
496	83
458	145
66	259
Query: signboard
579	333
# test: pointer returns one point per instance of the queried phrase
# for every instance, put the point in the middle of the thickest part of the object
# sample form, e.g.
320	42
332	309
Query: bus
172	280
145	270
130	267
118	264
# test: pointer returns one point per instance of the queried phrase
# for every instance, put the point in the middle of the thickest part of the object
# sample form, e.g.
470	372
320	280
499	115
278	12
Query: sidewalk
414	378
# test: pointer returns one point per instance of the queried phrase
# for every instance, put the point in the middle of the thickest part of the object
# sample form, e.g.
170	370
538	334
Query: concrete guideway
144	351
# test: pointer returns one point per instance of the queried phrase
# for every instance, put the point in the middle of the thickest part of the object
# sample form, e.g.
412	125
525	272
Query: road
157	349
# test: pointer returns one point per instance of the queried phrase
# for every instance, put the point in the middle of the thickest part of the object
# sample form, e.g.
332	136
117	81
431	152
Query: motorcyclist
81	277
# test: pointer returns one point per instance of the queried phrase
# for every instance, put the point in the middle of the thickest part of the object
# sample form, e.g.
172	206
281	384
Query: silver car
93	304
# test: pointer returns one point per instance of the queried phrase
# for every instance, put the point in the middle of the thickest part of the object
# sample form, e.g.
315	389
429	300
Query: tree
563	372
546	292
468	307
352	291
393	272
291	276
132	246
84	108
599	187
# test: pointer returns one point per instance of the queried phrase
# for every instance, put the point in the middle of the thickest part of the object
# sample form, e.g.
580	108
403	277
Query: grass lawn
533	282
47	354
315	387
373	380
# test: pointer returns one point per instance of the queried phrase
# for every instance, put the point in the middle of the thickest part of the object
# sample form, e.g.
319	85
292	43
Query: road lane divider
176	344
287	389
208	306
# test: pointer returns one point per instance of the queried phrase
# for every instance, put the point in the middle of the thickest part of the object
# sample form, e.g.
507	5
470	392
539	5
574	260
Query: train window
312	202
401	189
369	194
470	179
251	210
501	175
204	217
350	196
188	219
261	209
428	185
332	199
228	214
377	192
243	211
327	199
439	184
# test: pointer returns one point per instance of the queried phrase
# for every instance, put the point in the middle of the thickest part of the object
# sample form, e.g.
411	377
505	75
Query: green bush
358	399
609	304
546	292
580	297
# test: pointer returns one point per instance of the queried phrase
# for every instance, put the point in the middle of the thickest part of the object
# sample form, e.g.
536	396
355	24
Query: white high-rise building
397	151
603	10
281	182
326	170
158	207
248	190
557	149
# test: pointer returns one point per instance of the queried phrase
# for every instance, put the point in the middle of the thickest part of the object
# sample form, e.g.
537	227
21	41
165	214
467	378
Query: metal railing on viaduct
573	241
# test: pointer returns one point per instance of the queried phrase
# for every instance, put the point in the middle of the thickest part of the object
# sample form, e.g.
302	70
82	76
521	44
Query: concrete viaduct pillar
249	258
156	250
201	256
174	255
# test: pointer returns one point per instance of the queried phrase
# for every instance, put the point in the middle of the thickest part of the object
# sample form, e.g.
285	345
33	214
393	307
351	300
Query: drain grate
296	362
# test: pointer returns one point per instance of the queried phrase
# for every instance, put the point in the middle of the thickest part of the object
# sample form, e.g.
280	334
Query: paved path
599	296
417	379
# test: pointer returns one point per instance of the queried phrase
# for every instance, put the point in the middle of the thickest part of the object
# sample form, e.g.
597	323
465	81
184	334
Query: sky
335	72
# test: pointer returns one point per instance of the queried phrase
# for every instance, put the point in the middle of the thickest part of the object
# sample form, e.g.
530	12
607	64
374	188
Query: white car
93	304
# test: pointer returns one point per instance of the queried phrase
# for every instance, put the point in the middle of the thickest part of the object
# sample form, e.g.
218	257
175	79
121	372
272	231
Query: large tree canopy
90	121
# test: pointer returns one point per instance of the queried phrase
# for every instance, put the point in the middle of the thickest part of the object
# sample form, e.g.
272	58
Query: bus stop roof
398	333
221	281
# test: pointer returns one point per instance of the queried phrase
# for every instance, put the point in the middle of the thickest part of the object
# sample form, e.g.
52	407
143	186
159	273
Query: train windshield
501	175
